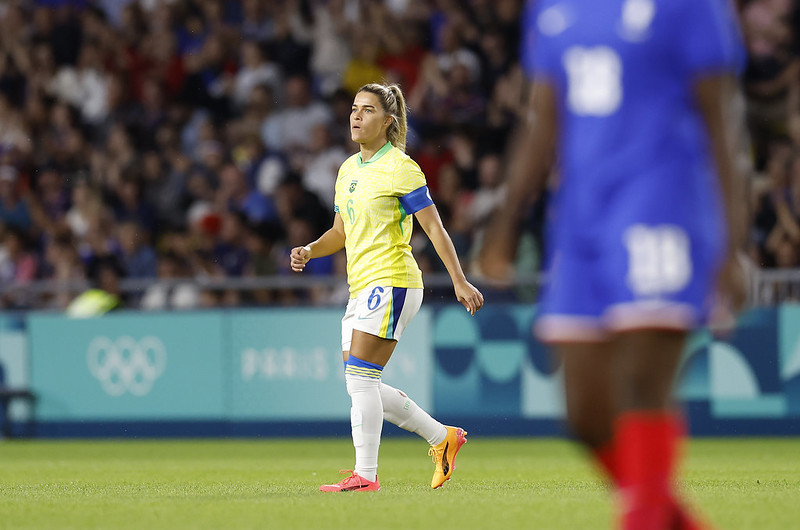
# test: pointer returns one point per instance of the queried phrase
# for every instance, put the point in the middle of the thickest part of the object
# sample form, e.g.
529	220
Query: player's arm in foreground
470	297
531	153
331	242
714	96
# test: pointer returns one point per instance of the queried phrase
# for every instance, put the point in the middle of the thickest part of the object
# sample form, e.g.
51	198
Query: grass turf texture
500	483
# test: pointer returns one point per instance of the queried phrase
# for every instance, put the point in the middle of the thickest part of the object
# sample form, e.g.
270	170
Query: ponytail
398	129
394	104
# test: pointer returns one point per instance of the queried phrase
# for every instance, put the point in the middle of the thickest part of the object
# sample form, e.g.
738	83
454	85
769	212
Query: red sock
646	443
606	459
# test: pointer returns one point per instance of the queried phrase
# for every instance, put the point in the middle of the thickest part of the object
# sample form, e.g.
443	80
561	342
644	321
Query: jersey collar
379	153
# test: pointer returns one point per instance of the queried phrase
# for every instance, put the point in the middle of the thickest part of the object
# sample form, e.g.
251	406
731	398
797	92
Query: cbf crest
353	185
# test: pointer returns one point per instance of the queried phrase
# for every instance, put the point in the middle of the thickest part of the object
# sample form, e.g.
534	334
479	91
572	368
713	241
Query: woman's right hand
732	286
733	282
469	296
299	257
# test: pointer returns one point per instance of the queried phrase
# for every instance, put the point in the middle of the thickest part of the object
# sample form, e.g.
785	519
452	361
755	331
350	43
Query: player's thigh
372	348
588	390
644	368
587	370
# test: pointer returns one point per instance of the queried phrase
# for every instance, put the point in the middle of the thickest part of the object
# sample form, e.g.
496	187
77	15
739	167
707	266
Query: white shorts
381	311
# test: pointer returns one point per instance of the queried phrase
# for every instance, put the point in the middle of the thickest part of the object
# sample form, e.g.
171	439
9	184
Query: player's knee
647	392
590	428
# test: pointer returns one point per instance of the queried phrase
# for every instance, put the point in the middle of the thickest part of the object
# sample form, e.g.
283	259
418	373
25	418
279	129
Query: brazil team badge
353	185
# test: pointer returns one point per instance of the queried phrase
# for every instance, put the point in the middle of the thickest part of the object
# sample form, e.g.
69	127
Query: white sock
366	420
401	410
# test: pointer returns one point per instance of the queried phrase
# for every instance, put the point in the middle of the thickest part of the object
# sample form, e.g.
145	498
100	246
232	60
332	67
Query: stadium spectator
85	201
783	240
63	265
325	28
289	128
137	256
172	292
255	70
263	169
486	199
257	20
294	200
402	53
129	203
234	194
14	209
105	294
265	259
771	78
363	66
320	165
17	264
14	138
50	200
230	252
85	85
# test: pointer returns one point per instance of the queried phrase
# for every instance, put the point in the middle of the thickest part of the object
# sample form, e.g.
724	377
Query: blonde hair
394	104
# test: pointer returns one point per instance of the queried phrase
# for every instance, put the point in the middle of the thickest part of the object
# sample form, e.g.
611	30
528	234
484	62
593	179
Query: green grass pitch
272	484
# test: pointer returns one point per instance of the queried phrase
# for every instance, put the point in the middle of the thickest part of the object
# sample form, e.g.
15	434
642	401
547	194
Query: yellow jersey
375	200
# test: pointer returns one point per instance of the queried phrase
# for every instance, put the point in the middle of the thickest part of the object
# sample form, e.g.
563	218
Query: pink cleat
352	483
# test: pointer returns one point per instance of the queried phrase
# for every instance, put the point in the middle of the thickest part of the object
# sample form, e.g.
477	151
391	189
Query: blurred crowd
201	138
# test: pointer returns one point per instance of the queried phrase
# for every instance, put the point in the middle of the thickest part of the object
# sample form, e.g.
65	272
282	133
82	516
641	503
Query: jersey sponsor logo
126	365
353	185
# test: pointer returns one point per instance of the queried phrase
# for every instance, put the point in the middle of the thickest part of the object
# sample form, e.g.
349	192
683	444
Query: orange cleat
444	455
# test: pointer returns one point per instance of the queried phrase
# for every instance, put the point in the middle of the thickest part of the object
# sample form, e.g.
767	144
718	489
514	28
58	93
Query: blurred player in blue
634	96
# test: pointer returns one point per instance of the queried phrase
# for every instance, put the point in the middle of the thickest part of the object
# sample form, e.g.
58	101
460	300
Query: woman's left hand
469	296
299	257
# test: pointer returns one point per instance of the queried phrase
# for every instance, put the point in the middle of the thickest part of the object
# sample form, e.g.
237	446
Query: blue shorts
635	276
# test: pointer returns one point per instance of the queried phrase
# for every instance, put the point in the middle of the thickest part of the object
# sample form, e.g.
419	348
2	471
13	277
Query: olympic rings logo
127	365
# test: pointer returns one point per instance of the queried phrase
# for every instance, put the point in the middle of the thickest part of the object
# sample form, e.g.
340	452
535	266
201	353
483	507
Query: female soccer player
377	191
646	221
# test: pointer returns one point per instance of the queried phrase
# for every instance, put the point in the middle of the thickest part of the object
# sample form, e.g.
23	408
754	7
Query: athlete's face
368	121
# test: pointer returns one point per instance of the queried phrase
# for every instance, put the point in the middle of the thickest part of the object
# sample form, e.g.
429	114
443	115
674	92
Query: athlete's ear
388	120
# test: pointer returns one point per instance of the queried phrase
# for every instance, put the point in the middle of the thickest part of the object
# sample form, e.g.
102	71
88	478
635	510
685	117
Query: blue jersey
623	73
636	175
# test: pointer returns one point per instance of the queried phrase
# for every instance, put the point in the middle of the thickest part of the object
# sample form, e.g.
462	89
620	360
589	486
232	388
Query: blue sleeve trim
335	209
416	200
